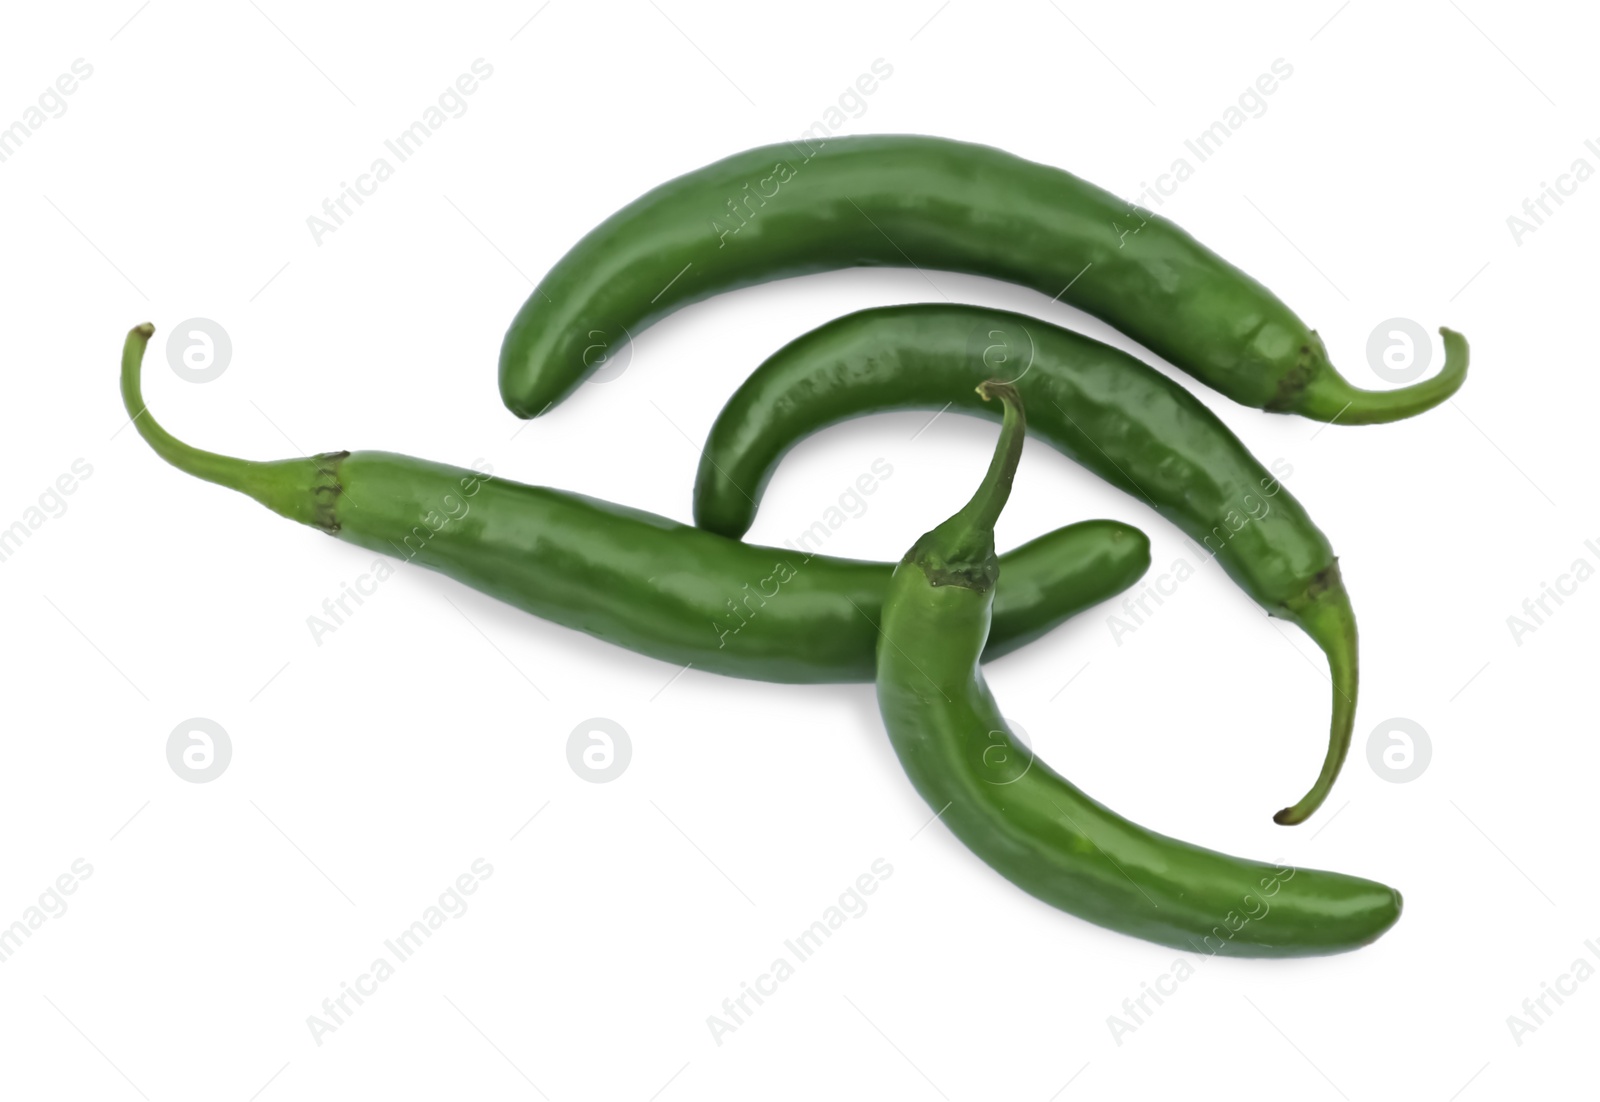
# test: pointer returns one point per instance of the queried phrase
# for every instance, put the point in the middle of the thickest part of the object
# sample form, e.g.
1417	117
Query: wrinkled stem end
304	490
1327	617
961	550
1328	396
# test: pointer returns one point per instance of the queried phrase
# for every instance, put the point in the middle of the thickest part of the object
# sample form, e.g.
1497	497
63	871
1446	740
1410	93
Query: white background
370	771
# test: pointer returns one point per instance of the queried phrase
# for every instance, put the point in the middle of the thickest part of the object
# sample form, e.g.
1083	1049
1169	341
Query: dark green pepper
641	581
1034	827
1123	420
904	201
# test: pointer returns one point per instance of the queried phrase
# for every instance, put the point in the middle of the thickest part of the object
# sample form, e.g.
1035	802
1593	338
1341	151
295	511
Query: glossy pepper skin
638	580
1123	420
1034	827
901	200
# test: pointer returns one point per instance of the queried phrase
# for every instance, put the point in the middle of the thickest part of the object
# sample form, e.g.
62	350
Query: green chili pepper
1123	420
641	581
902	201
1032	826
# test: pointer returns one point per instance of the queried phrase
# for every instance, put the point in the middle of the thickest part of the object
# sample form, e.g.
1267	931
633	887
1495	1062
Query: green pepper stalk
640	581
1033	826
1117	416
907	200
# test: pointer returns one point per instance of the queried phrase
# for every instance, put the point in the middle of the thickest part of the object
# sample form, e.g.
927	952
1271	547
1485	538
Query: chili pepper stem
961	550
303	490
1331	623
1328	396
1048	837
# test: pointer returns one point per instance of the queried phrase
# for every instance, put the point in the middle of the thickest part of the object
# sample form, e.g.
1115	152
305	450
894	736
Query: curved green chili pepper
1031	825
904	201
1123	420
641	581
